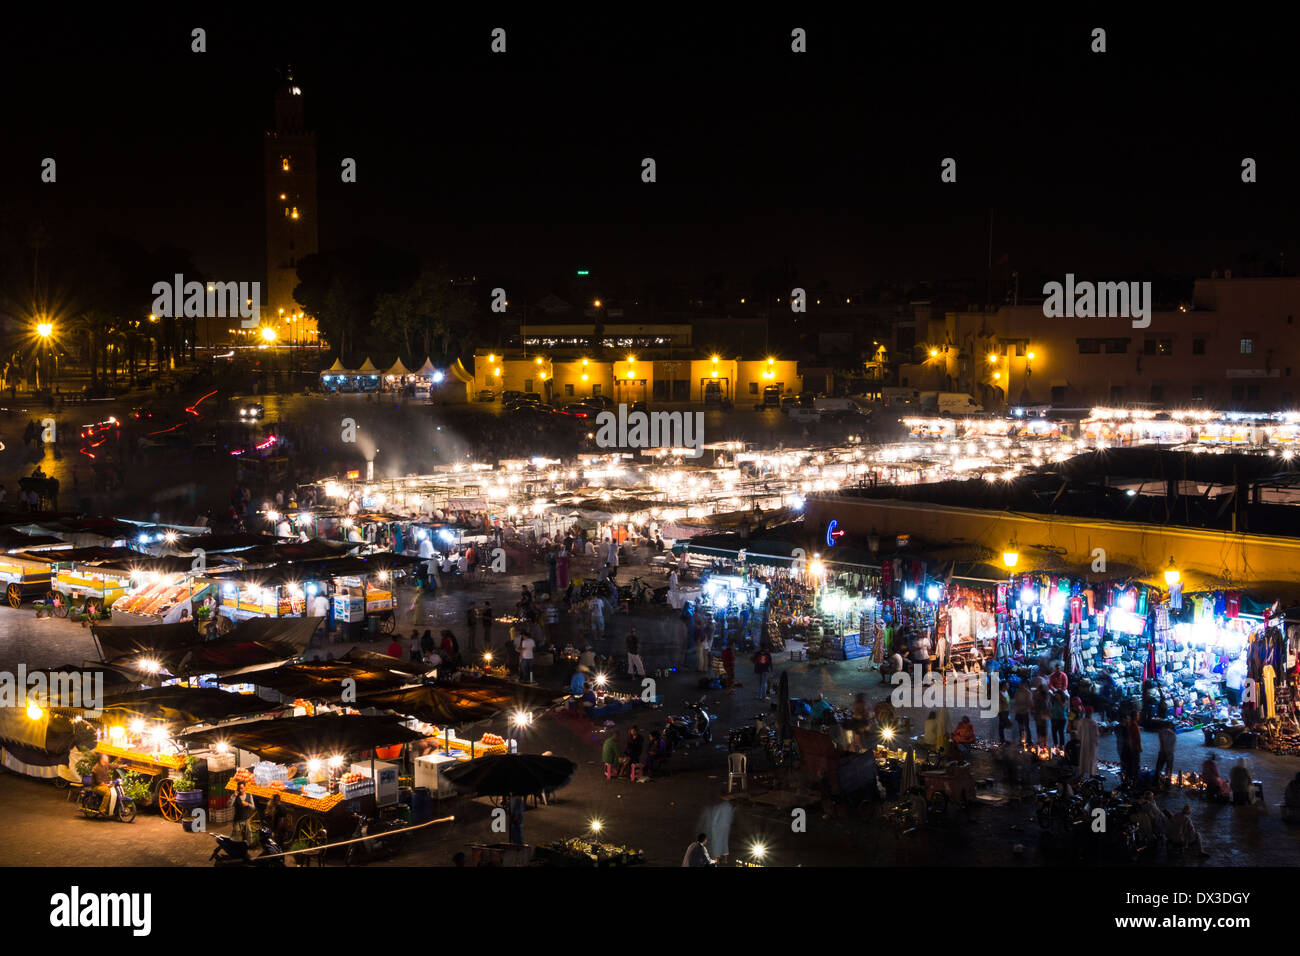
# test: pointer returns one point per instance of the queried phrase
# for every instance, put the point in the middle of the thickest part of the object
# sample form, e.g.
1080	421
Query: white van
957	403
802	414
900	396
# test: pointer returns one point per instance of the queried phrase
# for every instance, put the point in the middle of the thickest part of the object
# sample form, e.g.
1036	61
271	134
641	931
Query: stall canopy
296	572
215	543
323	680
367	367
290	739
398	370
34	747
338	368
464	702
427	370
254	644
183	706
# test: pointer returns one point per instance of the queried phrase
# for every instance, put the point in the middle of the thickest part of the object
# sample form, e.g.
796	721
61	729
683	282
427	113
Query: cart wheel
58	605
1222	740
15	595
310	830
388	624
165	801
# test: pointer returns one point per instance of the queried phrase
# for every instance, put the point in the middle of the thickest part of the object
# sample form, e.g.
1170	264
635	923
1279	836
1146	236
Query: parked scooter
377	849
120	806
694	726
232	852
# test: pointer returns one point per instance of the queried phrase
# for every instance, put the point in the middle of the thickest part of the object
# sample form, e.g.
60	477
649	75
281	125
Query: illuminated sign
832	534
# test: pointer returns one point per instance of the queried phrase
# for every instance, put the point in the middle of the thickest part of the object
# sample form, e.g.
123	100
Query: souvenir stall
94	581
968	620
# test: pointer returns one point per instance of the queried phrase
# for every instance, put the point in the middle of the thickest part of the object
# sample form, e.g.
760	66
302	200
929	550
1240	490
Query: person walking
762	669
1057	710
635	668
1023	707
1089	733
1165	758
471	620
486	621
1004	714
729	666
516	812
597	611
1040	715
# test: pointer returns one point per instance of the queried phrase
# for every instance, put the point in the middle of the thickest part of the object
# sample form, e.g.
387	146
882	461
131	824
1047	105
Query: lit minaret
291	210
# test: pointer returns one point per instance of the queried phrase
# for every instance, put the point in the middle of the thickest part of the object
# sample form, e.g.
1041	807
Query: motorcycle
694	726
1060	806
120	806
232	852
378	849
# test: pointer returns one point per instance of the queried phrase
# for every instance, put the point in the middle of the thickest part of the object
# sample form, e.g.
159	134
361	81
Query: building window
595	389
1252	393
1198	346
568	390
1198	393
1247	346
1116	346
1237	393
1157	346
528	385
753	388
1089	346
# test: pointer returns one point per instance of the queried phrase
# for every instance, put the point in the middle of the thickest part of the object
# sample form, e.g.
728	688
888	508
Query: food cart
24	576
143	750
323	767
95	578
161	598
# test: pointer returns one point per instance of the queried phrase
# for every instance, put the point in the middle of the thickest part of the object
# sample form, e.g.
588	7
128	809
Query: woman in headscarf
1241	782
1210	774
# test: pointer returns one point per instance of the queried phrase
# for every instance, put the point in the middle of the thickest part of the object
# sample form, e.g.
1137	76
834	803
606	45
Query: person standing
762	669
550	620
1165	758
517	820
485	621
597	611
1089	733
1004	714
471	620
921	653
242	827
526	648
635	668
729	666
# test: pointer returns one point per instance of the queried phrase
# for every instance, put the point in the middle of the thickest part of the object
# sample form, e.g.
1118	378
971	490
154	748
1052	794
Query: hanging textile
1269	675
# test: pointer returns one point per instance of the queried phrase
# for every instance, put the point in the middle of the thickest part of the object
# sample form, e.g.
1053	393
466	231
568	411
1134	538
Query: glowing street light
45	329
268	334
1172	576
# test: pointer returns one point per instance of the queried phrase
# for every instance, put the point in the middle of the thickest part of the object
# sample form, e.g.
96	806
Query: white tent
426	370
337	367
367	366
398	370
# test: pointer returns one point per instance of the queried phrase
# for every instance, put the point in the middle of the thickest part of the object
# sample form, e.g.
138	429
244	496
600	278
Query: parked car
603	401
251	412
510	394
486	395
805	415
580	410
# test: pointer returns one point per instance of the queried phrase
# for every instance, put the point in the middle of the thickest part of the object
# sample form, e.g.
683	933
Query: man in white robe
1088	734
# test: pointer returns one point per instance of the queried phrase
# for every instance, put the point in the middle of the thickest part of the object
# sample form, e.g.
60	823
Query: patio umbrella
910	779
504	775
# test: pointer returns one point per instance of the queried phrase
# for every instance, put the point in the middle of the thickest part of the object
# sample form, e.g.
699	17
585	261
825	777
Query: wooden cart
159	768
314	819
24	577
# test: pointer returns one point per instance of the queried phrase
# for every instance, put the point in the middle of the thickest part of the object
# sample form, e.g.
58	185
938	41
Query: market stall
323	767
25	576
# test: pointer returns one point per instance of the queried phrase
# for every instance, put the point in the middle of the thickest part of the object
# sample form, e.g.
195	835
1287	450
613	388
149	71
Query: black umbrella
504	775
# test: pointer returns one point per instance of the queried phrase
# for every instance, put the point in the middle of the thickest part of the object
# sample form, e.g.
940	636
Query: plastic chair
737	770
610	772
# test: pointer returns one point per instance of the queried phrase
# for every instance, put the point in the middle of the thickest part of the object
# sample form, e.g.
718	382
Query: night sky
528	164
